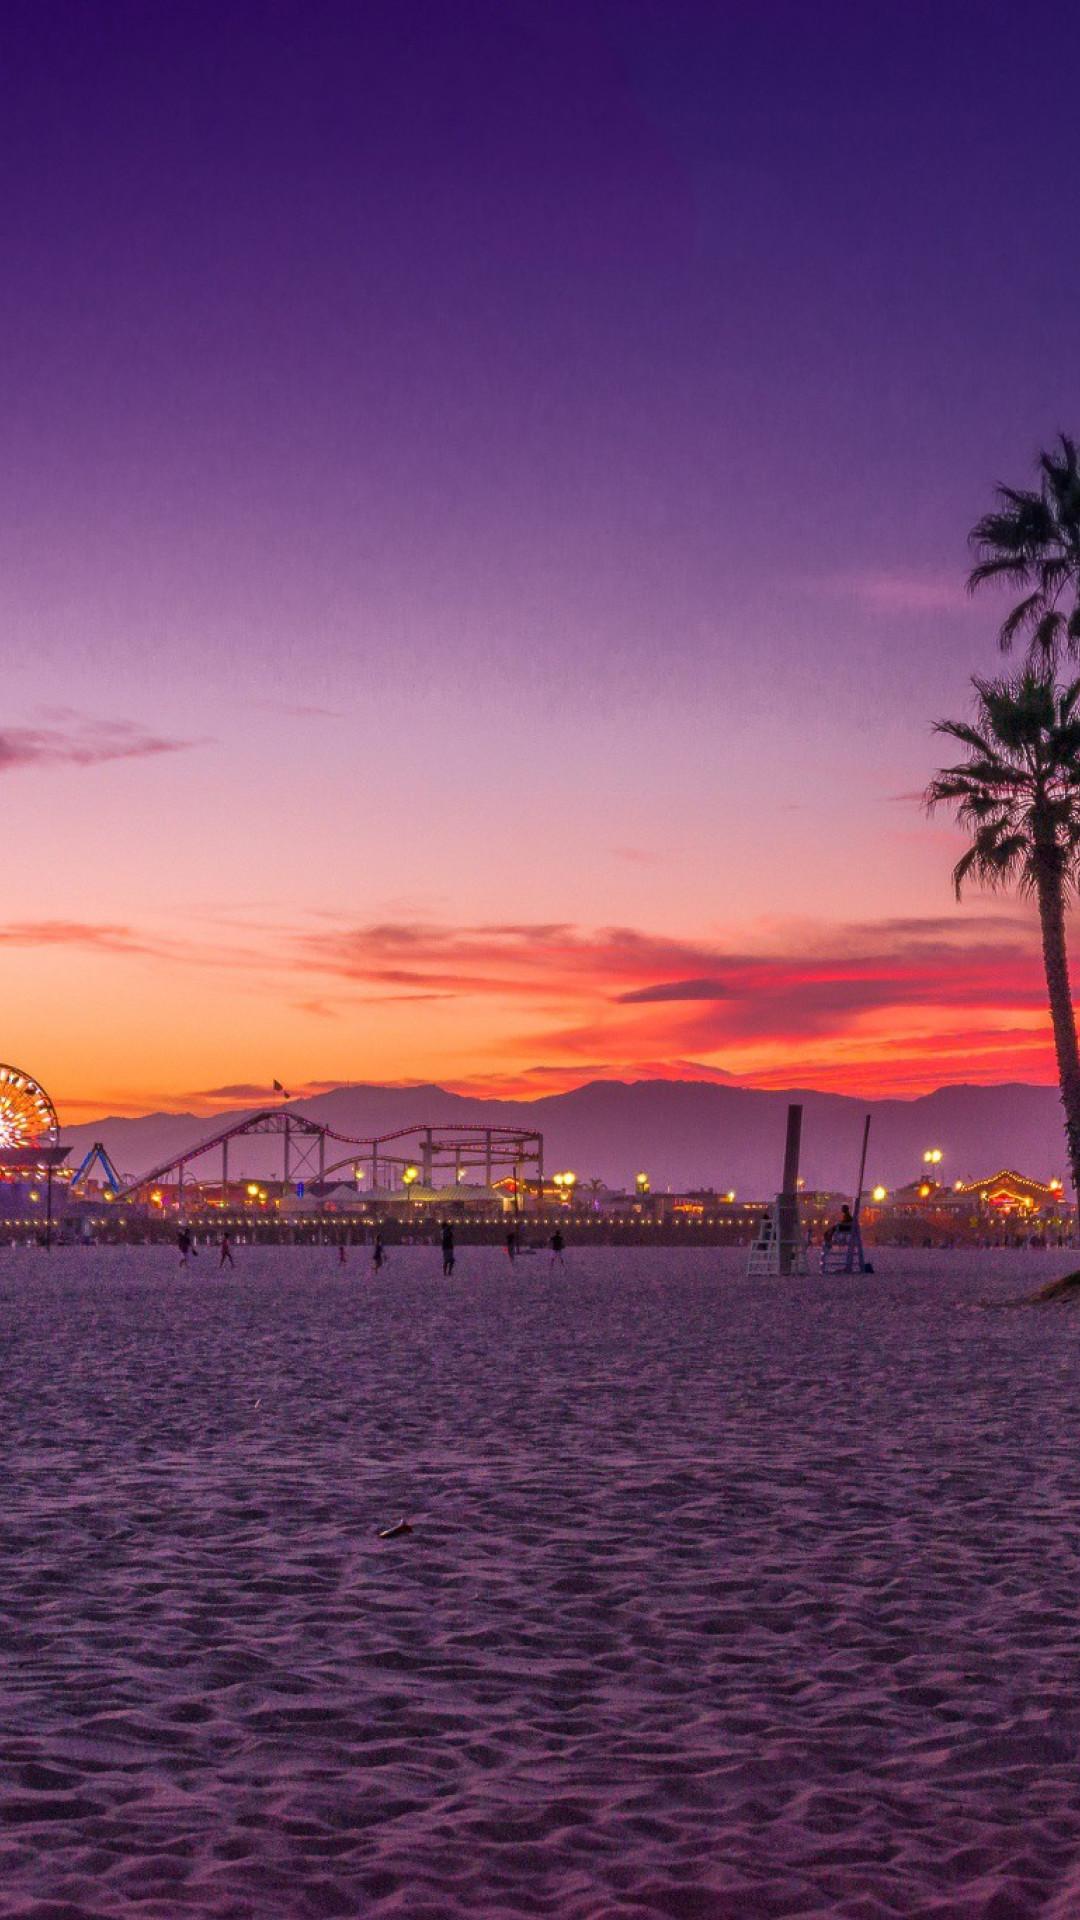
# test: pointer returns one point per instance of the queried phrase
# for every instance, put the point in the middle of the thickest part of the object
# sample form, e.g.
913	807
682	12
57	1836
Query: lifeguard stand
844	1254
772	1252
780	1246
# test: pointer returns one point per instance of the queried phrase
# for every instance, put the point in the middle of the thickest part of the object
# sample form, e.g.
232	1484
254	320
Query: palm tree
1031	540
1018	792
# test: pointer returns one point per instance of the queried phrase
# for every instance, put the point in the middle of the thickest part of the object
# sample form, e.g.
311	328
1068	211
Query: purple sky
520	456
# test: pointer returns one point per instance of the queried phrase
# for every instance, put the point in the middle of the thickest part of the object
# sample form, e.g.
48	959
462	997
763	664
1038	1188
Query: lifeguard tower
843	1251
780	1245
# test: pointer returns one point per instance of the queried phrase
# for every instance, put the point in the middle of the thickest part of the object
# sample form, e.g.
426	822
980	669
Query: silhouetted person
840	1227
447	1249
378	1252
226	1259
511	1243
557	1245
186	1246
341	1254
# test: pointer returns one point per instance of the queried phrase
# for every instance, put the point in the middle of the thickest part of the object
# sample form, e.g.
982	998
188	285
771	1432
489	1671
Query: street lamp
641	1182
410	1176
879	1194
933	1157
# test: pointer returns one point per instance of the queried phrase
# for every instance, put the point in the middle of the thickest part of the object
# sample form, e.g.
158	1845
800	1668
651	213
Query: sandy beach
723	1598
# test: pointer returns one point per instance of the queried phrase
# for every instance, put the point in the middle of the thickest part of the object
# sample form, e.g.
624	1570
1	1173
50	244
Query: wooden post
787	1212
862	1168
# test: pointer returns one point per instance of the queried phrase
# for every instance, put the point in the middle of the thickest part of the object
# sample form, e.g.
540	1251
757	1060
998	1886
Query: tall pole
48	1208
787	1211
862	1167
224	1173
287	1145
487	1157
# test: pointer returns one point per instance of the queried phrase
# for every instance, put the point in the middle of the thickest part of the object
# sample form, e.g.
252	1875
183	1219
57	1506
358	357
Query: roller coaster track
501	1143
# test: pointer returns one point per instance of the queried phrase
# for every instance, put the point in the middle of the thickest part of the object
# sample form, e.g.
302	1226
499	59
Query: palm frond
1024	612
1045	637
1015	572
967	736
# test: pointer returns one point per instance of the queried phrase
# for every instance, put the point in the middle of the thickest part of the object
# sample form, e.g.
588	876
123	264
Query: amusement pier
278	1175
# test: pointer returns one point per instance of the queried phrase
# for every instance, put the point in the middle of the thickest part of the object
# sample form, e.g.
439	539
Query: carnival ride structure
27	1116
97	1156
414	1156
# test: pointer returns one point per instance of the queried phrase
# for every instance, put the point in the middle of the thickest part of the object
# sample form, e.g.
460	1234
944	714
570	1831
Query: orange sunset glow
519	1009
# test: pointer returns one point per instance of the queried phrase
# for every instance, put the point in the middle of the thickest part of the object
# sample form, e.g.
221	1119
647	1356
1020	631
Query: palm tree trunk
1056	962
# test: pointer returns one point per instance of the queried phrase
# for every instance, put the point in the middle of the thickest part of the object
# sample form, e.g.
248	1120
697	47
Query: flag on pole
278	1088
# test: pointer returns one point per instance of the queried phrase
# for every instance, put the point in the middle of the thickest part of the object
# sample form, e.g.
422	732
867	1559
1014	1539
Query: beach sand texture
723	1598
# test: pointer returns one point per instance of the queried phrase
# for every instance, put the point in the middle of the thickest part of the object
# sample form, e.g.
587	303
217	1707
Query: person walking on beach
557	1245
226	1259
186	1246
378	1252
447	1249
341	1254
512	1245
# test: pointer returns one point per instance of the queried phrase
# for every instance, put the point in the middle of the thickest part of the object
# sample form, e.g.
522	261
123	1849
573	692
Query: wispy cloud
103	937
82	743
535	1082
641	856
299	710
239	1090
607	1000
889	591
117	938
247	1091
548	1004
677	990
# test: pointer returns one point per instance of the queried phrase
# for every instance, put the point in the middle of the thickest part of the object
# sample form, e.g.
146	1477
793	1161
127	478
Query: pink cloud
637	997
888	591
83	743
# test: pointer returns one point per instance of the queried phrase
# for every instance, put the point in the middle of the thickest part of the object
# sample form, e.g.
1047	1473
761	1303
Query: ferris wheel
27	1115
